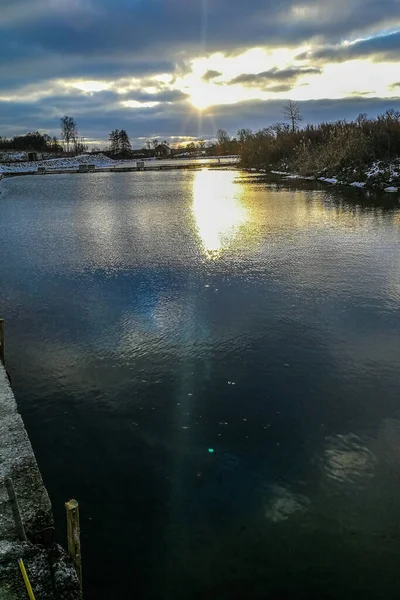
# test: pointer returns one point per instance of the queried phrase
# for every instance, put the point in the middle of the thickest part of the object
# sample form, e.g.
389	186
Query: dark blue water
210	364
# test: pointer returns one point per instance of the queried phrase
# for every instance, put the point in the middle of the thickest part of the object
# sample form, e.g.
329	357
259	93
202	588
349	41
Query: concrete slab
50	571
18	461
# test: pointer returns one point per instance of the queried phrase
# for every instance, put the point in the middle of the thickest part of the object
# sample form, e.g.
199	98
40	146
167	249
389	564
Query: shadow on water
209	363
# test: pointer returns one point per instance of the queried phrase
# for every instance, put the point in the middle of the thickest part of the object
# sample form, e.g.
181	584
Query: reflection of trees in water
337	193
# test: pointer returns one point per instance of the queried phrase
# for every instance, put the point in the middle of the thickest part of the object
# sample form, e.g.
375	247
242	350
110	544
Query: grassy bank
364	151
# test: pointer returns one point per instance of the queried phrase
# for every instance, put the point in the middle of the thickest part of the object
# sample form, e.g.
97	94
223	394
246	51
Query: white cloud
136	104
90	86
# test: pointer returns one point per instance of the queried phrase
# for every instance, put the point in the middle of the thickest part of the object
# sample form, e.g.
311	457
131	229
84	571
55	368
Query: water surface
210	364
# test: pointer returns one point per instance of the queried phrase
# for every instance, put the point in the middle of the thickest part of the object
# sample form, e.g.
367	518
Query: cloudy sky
177	69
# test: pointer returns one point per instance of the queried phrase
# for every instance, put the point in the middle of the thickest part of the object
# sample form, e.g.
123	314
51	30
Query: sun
199	95
200	103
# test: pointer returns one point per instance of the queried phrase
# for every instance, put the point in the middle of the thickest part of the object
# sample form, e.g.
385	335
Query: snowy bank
99	160
379	175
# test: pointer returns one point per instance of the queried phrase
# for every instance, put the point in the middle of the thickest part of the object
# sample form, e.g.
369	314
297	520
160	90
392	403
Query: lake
209	362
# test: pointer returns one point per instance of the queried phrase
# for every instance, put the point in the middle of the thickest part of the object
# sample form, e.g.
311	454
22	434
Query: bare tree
291	112
55	146
69	131
80	146
222	137
362	119
223	141
244	134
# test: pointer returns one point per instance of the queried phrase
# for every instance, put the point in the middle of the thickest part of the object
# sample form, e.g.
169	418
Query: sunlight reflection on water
218	209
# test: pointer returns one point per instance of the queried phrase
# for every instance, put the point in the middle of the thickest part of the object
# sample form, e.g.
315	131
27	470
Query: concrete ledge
18	461
50	571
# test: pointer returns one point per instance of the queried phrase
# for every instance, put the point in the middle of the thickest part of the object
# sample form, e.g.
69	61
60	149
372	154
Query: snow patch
391	189
358	184
331	180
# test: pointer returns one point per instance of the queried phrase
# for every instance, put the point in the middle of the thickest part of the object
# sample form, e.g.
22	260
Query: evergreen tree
124	142
114	138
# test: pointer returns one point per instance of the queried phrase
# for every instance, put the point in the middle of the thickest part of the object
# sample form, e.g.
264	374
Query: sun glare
203	95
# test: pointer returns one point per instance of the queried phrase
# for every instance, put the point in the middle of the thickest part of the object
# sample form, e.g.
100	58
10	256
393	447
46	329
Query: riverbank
361	153
50	571
380	176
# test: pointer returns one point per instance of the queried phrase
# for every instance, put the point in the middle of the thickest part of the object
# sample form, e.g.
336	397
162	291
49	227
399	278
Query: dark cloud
20	71
114	30
209	75
92	27
162	96
280	88
383	47
266	78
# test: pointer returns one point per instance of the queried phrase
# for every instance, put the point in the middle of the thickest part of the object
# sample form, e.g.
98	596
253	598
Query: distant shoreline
101	163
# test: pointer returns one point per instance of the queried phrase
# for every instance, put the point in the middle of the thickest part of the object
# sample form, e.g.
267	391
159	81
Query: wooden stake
2	357
26	580
74	537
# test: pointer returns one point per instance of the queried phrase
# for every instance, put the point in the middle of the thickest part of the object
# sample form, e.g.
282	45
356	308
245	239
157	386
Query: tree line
335	146
226	145
42	142
35	141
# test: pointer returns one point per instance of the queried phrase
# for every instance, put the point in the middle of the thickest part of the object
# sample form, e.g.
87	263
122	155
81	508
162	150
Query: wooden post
26	580
74	537
2	359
